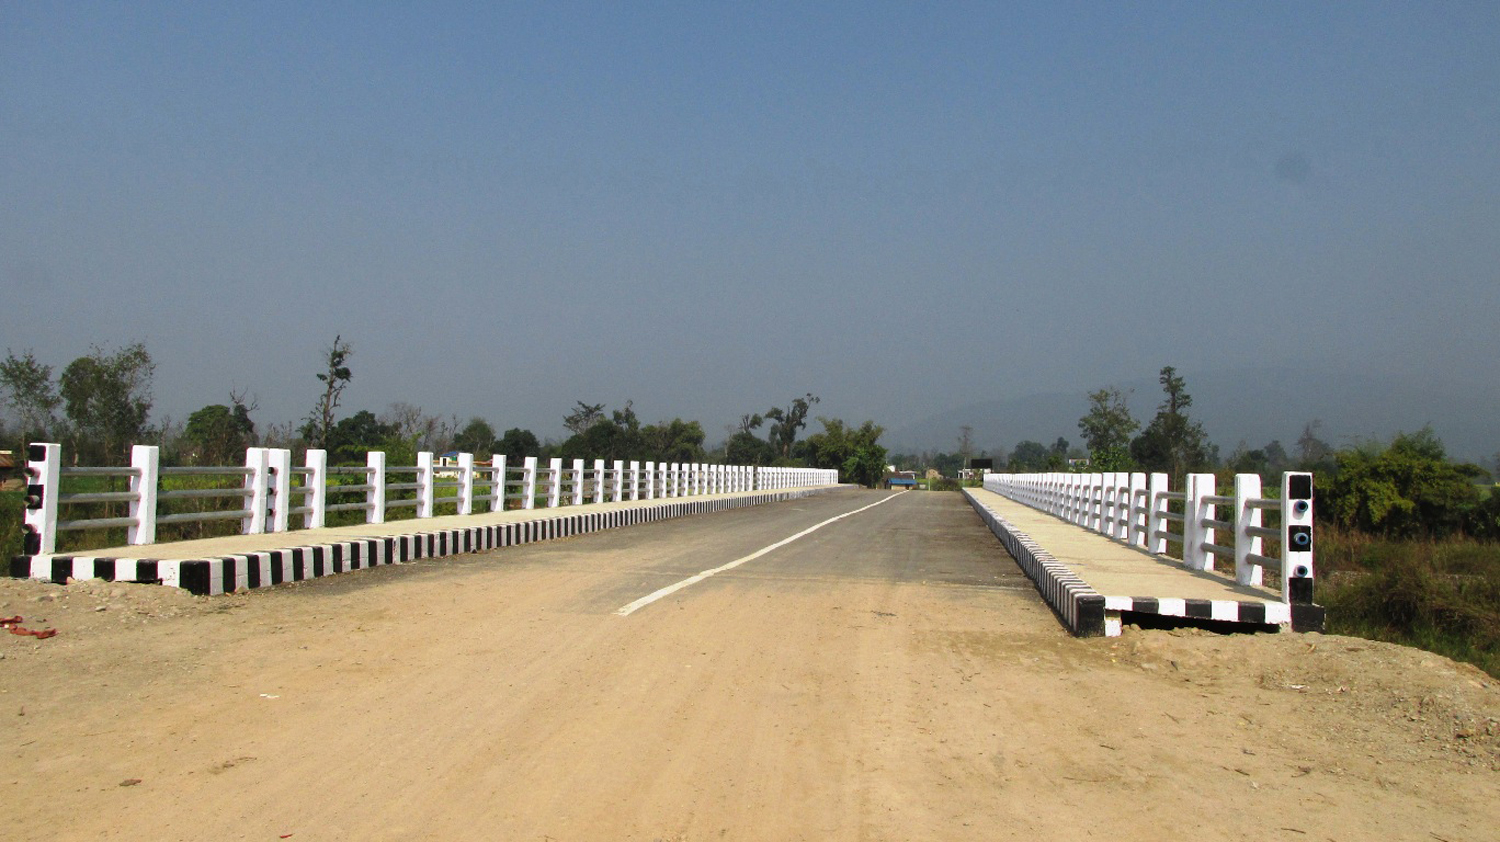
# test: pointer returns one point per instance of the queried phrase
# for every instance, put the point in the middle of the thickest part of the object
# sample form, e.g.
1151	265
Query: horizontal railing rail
1142	510
269	491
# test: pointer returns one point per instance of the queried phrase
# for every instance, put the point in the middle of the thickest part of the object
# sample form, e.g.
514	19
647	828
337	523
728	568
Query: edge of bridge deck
211	566
1090	580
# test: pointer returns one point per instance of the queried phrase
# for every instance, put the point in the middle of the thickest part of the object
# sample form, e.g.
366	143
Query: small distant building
901	479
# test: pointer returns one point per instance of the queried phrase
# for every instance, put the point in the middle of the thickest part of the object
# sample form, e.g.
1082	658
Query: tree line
1406	487
101	404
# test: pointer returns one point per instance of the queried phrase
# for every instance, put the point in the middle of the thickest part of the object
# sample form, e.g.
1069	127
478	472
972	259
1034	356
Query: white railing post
617	481
146	460
650	480
316	488
466	483
1140	510
1297	569
280	460
497	476
1107	503
1246	518
528	483
1196	533
43	484
424	484
578	482
256	488
375	495
1158	505
554	482
635	480
599	477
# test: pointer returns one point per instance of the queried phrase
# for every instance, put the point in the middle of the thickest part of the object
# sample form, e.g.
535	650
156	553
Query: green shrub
1439	595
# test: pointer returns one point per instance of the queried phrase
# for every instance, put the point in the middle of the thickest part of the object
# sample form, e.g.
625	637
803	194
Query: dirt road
891	676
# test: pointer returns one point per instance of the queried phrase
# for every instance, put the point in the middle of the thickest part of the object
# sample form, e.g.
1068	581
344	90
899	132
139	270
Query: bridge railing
268	491
1143	511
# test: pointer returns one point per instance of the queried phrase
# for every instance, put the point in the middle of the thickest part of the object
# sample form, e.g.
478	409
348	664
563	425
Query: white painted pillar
316	498
618	481
578	482
375	495
554	482
281	487
599	477
635	480
1156	528
466	483
528	483
497	482
1297	569
43	484
256	489
1140	510
424	484
1246	519
1196	533
650	480
146	460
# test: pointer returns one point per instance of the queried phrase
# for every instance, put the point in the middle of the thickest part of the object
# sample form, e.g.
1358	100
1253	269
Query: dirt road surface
891	676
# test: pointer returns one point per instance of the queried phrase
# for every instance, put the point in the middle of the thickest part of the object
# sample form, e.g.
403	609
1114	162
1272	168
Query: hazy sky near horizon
712	208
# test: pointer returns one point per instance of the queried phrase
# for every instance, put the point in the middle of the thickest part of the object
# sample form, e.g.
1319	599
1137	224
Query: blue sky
508	207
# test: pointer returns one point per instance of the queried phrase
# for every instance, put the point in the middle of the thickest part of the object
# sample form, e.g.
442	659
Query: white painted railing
267	488
1142	511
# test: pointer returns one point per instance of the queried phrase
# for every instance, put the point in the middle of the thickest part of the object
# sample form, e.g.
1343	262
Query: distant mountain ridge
1255	407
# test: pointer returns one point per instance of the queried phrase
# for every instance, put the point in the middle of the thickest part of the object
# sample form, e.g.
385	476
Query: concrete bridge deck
1092	580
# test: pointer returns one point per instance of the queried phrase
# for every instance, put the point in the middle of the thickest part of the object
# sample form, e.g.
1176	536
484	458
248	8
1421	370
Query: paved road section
889	676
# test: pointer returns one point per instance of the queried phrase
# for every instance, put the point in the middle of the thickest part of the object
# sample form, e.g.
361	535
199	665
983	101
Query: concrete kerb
1080	607
219	574
1086	612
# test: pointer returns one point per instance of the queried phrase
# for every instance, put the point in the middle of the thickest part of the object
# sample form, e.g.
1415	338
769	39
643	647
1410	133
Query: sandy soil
470	700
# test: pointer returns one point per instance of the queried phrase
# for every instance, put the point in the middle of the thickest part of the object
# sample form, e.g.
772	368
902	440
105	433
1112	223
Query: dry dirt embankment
790	699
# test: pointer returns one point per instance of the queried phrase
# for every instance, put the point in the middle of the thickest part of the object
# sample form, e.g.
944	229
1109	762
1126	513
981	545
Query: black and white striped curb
1080	606
226	574
1088	613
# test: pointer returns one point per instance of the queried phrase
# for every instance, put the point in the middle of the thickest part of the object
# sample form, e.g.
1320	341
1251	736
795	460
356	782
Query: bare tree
336	379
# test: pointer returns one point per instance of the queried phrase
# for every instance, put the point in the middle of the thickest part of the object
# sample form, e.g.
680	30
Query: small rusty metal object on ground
13	625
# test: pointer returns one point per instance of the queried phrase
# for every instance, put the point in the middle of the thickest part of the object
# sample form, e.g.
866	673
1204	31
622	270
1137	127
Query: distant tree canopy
746	448
785	422
1107	429
218	434
1029	457
318	428
107	398
622	437
477	437
1406	489
854	452
517	444
1173	442
30	393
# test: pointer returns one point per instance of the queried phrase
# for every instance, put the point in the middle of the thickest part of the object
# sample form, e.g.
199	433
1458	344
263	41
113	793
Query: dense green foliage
218	435
1407	489
854	452
1107	428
